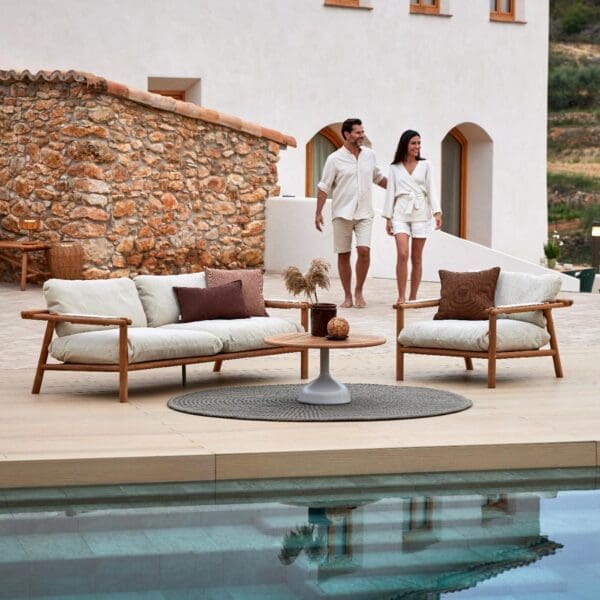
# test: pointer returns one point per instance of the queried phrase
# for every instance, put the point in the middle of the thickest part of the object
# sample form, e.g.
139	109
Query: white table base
324	389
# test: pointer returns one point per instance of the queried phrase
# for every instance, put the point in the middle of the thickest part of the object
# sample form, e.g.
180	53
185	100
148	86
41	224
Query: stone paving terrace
76	431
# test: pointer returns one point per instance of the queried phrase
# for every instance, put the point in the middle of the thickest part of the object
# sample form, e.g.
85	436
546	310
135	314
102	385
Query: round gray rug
370	402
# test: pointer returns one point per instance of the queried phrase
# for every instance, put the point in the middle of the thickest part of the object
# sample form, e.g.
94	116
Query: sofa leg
399	365
217	366
553	343
183	375
304	364
468	363
39	373
123	364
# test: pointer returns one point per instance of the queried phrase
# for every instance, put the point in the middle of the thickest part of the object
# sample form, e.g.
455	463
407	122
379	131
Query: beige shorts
342	233
417	229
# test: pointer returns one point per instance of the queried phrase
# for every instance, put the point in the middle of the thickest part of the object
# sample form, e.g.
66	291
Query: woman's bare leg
416	273
401	265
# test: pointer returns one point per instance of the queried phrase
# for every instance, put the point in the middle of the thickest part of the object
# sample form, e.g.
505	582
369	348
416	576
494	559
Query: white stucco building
469	75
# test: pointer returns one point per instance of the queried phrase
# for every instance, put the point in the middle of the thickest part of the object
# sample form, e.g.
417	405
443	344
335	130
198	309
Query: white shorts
417	229
342	233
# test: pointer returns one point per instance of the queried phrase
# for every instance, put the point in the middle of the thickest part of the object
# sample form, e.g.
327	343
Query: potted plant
552	251
317	276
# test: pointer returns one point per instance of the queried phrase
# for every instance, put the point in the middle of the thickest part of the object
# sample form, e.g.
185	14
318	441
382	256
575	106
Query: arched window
318	149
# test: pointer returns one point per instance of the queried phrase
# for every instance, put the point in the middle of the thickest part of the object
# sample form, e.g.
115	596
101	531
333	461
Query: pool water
494	535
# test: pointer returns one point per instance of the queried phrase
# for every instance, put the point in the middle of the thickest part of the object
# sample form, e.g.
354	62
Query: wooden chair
493	352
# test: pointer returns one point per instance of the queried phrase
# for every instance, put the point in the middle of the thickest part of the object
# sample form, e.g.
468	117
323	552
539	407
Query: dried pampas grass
317	276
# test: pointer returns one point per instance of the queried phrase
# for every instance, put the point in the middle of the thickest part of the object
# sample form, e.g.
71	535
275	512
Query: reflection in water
326	540
375	538
428	544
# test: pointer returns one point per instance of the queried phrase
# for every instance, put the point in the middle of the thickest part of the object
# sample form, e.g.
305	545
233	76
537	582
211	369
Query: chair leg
492	340
399	365
492	372
39	373
553	343
468	363
304	364
217	366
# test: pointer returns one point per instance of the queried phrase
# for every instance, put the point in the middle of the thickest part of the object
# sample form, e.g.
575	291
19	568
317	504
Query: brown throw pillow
252	286
467	295
203	304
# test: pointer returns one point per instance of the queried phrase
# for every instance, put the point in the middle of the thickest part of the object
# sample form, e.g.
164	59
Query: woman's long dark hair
402	150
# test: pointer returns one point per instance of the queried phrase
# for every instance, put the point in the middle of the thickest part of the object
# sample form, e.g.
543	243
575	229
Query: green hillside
574	125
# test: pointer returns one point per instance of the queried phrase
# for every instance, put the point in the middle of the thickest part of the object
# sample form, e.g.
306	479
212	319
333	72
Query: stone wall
144	187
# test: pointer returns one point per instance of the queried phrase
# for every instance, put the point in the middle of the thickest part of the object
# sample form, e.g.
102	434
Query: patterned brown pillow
467	295
252	286
203	304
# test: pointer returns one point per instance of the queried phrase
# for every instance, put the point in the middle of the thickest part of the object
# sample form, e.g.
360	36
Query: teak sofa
121	325
520	325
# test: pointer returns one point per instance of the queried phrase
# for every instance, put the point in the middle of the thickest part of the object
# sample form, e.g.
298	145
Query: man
348	175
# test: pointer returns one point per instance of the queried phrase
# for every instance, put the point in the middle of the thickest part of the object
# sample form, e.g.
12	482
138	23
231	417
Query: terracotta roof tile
187	109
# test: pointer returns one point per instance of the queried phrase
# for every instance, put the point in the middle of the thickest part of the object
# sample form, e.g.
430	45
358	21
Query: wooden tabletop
27	246
306	340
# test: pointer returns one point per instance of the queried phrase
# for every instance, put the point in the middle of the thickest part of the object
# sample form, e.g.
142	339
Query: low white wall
291	239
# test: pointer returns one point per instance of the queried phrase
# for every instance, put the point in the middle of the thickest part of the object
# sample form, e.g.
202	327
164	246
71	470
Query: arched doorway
326	141
467	165
454	183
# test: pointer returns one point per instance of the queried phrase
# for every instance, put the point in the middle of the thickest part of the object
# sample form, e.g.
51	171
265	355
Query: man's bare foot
347	303
359	301
401	301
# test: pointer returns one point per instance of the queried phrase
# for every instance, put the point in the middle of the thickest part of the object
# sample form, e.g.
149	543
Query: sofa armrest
508	309
46	315
302	306
286	304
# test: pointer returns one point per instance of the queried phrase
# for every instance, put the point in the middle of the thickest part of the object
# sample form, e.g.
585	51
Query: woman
411	202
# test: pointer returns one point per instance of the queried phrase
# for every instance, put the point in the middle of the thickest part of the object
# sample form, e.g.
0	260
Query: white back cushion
157	296
99	297
523	288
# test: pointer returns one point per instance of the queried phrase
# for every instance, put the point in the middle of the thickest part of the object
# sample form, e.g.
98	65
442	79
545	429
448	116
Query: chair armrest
508	309
418	303
45	315
286	304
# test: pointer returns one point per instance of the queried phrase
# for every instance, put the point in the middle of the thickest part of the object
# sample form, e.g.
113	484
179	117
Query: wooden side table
324	389
25	248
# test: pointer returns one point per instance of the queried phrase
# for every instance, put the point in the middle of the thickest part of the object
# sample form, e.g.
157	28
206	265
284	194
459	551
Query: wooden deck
76	432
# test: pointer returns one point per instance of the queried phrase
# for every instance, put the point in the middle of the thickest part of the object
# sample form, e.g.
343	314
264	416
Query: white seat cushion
143	344
523	288
238	335
101	297
473	335
157	296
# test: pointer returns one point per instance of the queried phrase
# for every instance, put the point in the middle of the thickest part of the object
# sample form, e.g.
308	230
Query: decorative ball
338	327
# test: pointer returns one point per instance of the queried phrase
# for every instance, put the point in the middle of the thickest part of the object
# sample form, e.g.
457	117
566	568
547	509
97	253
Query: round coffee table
324	389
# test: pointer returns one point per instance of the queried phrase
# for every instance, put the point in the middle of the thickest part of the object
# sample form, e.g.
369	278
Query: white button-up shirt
348	180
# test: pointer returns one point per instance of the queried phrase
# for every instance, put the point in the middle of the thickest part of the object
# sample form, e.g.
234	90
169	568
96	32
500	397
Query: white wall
296	66
291	239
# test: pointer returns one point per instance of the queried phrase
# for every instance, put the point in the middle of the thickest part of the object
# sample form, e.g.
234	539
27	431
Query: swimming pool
510	535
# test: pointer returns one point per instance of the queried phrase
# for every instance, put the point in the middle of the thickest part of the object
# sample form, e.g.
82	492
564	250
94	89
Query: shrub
576	248
591	215
571	86
576	17
562	212
569	183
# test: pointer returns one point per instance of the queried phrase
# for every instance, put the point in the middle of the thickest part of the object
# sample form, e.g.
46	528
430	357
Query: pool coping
318	463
